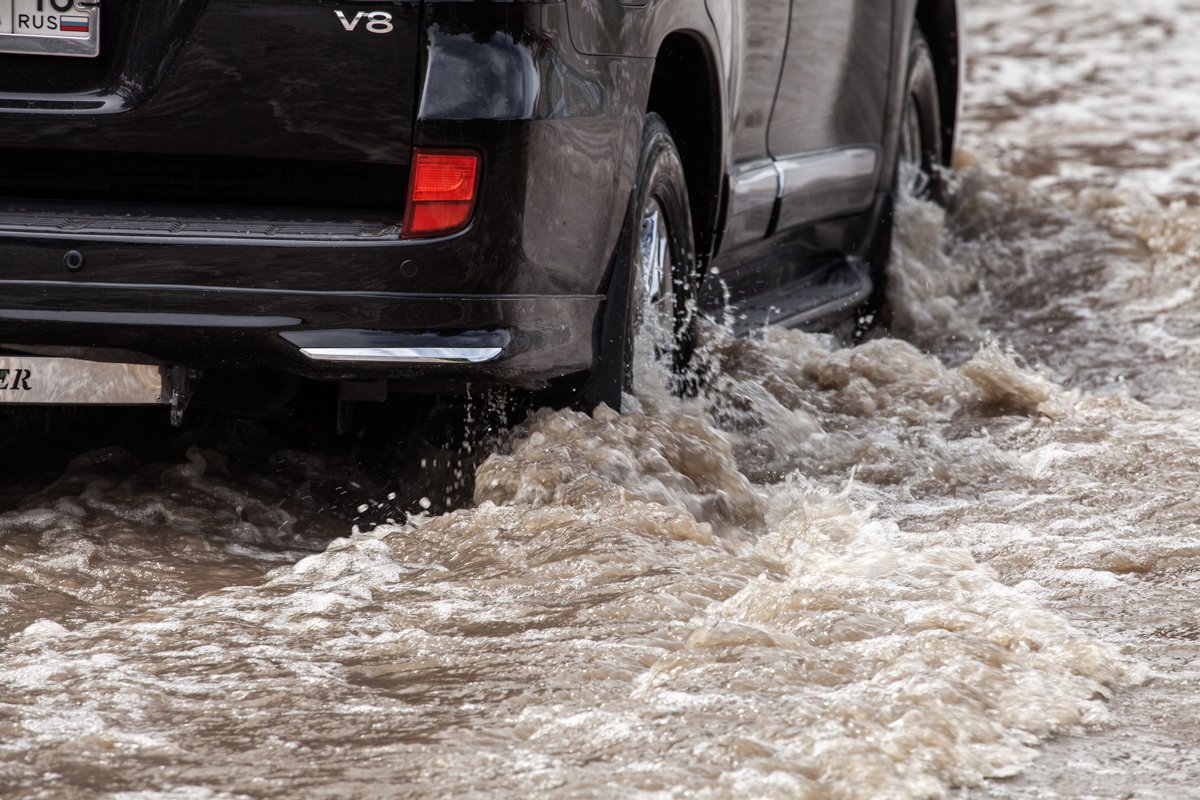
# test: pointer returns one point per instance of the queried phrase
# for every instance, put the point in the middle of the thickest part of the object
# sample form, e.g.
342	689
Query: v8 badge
376	21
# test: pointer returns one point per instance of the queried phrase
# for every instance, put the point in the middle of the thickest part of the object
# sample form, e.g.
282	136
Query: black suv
442	192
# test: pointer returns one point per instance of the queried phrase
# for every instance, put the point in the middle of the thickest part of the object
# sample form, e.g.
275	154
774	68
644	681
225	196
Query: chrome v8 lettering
376	21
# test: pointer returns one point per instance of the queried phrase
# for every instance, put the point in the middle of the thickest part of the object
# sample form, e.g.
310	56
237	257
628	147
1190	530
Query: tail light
441	192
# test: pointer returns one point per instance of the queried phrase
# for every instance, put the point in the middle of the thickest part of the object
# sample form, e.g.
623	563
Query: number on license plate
50	27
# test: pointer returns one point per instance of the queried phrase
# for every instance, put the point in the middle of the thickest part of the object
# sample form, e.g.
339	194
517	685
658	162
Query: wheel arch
686	92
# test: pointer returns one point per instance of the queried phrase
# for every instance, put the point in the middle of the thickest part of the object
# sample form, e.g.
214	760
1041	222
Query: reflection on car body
232	186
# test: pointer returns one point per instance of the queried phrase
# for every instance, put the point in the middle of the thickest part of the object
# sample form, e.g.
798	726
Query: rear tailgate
271	105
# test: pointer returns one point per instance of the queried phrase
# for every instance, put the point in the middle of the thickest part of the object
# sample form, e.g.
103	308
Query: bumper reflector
441	192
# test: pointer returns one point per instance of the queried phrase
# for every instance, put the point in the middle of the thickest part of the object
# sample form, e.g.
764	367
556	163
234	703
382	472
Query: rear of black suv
433	194
336	190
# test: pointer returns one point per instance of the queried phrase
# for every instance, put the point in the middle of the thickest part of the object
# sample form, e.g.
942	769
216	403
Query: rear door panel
827	128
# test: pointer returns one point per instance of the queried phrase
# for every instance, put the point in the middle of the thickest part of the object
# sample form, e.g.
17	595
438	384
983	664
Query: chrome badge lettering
377	21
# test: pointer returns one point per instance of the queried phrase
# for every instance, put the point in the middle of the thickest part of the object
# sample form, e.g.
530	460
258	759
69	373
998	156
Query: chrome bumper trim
404	355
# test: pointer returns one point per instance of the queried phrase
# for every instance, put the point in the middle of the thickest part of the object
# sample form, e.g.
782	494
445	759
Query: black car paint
551	94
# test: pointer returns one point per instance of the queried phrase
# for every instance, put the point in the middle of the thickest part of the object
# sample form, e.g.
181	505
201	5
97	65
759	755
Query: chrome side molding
827	185
754	186
753	192
799	189
852	165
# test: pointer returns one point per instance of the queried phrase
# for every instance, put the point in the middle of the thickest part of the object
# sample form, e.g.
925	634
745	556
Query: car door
827	126
753	35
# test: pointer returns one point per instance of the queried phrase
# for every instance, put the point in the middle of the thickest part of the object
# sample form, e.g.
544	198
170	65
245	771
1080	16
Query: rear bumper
282	282
523	340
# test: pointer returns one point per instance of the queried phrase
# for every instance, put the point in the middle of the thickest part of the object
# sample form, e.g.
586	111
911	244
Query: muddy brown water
959	560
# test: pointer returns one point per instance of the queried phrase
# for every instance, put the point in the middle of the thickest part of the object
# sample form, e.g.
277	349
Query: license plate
50	27
37	380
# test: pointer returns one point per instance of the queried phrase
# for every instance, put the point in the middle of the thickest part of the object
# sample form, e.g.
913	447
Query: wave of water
833	575
892	570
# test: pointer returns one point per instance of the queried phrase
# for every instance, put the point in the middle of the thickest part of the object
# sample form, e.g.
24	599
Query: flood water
958	560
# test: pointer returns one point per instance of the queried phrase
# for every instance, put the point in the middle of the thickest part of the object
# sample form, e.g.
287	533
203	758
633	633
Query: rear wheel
649	319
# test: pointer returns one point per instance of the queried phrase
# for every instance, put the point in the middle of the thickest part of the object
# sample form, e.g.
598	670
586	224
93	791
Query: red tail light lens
441	193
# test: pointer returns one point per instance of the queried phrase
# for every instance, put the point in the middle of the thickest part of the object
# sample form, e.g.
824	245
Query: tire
919	162
650	297
920	154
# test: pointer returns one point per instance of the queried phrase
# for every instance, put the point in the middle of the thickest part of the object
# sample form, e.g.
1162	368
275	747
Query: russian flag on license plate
73	24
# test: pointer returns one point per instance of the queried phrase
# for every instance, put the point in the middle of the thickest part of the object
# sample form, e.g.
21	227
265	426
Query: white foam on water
893	570
628	612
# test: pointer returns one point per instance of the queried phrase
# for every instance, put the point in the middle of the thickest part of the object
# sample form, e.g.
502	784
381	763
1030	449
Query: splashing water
689	598
886	571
